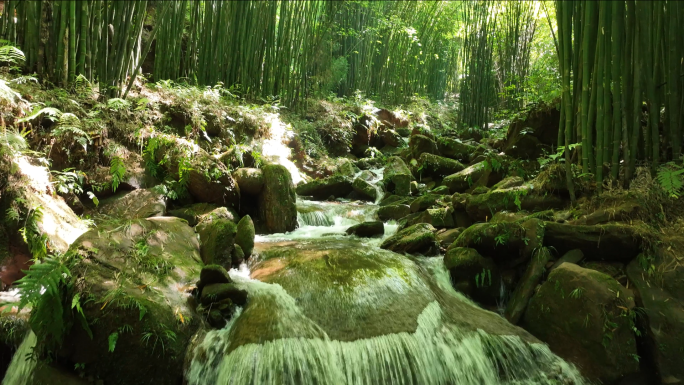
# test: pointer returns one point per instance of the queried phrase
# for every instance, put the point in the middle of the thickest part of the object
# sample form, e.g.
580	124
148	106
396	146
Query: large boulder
141	203
473	275
208	180
441	217
244	236
31	184
367	229
455	149
528	282
529	135
482	206
446	237
397	177
509	243
420	144
587	318
133	282
250	180
217	236
337	186
426	201
464	179
419	238
194	213
658	280
365	190
394	212
438	166
278	201
611	242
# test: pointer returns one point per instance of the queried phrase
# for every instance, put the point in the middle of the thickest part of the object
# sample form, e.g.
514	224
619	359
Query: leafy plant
118	104
12	55
68	180
577	293
484	278
117	169
670	177
501	239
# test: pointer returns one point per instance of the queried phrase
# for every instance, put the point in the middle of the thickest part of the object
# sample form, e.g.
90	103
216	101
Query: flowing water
325	308
21	367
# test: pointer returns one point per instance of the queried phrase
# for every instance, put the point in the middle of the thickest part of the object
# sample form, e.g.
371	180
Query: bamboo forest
341	192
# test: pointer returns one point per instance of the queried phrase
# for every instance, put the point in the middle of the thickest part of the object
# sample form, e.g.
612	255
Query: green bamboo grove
391	50
621	65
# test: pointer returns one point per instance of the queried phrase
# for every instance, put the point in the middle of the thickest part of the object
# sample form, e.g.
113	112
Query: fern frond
44	277
117	169
12	55
51	112
670	178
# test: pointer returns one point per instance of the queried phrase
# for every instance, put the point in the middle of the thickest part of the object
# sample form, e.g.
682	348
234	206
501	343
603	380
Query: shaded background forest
619	75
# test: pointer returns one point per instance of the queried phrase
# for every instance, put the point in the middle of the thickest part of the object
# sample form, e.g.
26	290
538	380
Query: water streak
21	368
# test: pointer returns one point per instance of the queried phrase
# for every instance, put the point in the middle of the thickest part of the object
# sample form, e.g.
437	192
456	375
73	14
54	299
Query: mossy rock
587	318
473	275
217	237
194	213
611	242
365	190
419	238
446	237
438	166
132	278
391	199
455	149
367	229
250	180
220	189
461	181
395	212
483	206
278	200
440	190
441	217
508	182
244	236
337	186
426	201
397	177
661	295
346	168
509	243
141	203
420	144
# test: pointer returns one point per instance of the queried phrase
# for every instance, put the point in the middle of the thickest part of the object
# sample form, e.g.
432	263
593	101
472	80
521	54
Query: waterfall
339	310
21	368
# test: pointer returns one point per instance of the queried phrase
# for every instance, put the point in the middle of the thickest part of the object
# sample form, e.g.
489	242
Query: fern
118	104
41	290
12	142
50	113
12	55
670	179
117	170
33	236
69	124
149	154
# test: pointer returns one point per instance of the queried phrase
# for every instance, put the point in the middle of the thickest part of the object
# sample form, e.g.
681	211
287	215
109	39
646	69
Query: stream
326	308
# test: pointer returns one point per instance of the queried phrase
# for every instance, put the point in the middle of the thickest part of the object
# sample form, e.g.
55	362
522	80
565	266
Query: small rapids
326	308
